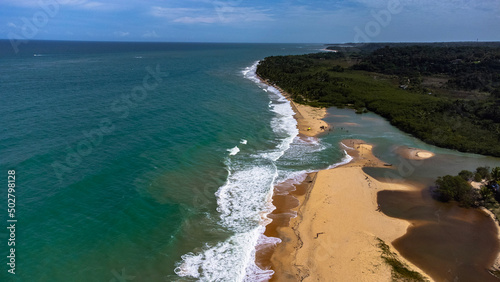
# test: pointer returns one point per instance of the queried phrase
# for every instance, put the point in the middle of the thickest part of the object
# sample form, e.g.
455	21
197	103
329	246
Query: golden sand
334	236
414	153
309	119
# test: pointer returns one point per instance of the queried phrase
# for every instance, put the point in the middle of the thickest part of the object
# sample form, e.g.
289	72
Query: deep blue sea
151	161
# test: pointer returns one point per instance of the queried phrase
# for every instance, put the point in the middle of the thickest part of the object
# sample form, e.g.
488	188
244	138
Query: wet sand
334	236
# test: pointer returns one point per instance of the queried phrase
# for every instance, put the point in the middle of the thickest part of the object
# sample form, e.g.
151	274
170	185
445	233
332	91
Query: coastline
296	258
490	214
309	119
349	241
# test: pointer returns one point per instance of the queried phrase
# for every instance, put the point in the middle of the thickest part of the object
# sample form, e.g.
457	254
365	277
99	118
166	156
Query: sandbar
414	153
336	233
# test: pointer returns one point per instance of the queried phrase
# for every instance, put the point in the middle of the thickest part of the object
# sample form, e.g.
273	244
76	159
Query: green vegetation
459	188
468	68
445	96
456	188
400	271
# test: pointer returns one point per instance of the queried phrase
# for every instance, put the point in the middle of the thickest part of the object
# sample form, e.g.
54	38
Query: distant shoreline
398	89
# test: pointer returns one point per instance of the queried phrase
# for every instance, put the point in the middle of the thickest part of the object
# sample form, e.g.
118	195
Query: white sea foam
245	200
350	148
243	204
245	195
345	160
253	273
243	141
226	261
292	178
233	151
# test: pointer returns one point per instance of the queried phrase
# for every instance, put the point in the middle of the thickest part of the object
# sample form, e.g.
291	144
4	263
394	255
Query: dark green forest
469	68
445	96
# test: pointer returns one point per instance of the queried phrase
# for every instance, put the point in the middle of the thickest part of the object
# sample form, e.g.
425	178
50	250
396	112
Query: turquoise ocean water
152	161
156	161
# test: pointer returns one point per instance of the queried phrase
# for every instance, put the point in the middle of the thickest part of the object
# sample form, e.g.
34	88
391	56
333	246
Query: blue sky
294	21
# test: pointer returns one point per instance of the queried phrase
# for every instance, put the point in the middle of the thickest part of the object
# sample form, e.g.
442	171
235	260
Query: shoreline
309	119
348	242
298	207
295	258
487	212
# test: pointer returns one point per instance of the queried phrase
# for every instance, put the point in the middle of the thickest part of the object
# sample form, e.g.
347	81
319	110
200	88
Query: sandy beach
335	236
309	119
331	225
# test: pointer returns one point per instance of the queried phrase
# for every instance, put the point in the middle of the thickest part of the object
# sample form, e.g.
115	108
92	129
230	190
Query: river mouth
444	240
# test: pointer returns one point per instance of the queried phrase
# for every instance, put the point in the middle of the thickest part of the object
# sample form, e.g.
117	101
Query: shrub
467	175
484	172
456	188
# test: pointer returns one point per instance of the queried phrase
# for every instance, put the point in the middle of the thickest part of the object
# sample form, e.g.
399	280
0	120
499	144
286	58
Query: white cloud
11	24
215	14
74	4
172	13
192	20
150	34
122	33
442	6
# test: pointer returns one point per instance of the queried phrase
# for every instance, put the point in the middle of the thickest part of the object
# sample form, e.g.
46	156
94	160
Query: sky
271	21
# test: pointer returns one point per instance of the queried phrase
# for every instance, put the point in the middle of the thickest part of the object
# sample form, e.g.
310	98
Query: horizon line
232	42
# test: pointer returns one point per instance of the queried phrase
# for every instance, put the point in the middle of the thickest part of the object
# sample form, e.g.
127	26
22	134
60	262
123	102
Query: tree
477	177
466	175
455	188
484	172
486	193
495	174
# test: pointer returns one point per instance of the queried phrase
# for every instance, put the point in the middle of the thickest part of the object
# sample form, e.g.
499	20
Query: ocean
147	160
157	161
